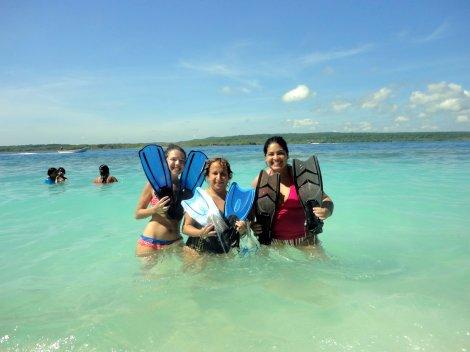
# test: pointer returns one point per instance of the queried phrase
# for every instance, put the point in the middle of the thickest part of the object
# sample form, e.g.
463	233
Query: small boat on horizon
72	151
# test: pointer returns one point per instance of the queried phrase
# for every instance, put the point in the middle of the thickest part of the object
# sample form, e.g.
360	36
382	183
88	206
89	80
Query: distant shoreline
258	139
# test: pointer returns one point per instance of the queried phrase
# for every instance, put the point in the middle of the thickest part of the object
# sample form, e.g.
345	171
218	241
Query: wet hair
104	172
51	171
171	147
223	162
276	139
61	173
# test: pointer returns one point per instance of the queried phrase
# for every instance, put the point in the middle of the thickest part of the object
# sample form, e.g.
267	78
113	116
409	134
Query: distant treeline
332	137
256	139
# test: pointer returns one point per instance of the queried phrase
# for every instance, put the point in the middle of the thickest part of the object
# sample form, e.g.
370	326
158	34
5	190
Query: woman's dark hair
171	147
51	171
104	173
61	169
276	139
223	162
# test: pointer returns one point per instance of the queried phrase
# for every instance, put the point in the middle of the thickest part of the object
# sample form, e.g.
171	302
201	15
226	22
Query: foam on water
392	275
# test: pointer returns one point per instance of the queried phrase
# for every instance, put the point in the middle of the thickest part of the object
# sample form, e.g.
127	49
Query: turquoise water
394	275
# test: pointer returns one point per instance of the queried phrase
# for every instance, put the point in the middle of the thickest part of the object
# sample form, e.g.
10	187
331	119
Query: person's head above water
172	147
104	170
60	175
104	176
276	154
176	158
52	172
222	162
276	139
218	173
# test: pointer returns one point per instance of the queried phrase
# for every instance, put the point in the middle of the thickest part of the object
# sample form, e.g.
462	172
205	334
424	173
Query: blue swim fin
238	204
193	174
197	207
239	201
191	178
156	169
202	209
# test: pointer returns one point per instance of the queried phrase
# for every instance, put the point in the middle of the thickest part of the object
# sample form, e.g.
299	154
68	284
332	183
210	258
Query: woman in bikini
161	232
289	219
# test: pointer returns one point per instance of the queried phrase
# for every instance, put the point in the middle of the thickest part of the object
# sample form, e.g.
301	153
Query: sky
87	72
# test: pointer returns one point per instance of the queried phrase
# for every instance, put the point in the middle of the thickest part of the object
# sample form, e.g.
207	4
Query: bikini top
154	200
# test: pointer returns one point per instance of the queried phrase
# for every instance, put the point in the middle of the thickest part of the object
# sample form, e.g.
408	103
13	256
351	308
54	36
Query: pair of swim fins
155	166
238	204
309	186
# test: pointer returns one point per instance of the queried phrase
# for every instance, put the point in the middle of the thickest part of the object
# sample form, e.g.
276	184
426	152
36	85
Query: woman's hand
207	231
161	207
241	226
324	212
321	213
257	228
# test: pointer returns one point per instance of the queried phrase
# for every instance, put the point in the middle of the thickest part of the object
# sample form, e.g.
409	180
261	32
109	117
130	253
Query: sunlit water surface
392	274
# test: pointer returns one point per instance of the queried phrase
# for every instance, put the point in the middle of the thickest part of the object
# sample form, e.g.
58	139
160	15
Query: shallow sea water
392	273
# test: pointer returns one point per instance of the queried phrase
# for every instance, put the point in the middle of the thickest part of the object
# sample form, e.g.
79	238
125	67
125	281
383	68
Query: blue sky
142	71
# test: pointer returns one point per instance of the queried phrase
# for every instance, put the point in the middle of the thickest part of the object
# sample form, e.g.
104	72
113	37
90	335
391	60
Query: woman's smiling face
276	157
217	177
176	161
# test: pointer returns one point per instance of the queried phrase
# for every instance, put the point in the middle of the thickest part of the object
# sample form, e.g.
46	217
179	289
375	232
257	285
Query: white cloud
440	32
402	34
328	71
228	90
429	127
339	106
450	104
46	101
462	118
375	100
211	68
303	123
455	87
400	119
442	96
318	57
299	93
363	126
419	98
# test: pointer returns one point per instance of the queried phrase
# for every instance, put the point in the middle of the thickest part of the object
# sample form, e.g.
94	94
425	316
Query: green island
258	139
